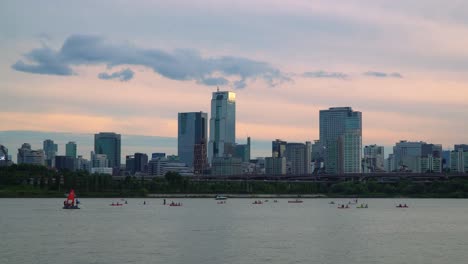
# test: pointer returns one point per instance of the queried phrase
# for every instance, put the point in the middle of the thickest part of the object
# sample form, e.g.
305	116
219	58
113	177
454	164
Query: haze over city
130	67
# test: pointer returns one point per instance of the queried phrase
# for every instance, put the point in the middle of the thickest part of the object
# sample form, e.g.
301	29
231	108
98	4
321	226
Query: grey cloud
383	74
177	65
324	74
123	75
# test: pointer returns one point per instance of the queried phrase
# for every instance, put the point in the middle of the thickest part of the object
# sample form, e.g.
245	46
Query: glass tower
108	143
341	136
192	131
70	149
222	125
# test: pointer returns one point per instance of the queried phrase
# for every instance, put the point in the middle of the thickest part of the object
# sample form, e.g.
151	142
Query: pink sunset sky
131	66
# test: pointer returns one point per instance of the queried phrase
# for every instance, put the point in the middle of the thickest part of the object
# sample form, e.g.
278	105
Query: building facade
275	166
225	166
192	138
50	151
70	149
28	156
222	125
418	157
299	158
459	159
242	151
374	159
341	137
65	163
109	144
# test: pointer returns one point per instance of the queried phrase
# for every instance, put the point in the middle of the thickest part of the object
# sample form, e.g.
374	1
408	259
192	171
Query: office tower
299	157
108	143
459	159
65	163
373	159
70	149
341	136
275	166
192	138
242	151
222	125
50	150
28	156
417	157
278	148
136	163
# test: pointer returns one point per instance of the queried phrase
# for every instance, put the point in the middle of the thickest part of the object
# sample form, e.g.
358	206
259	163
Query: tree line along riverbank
38	181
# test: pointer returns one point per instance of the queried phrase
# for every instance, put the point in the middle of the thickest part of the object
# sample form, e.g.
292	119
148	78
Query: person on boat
144	202
347	206
342	206
164	203
405	205
399	205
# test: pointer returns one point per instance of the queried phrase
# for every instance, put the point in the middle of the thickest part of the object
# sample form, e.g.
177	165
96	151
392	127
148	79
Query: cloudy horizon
131	66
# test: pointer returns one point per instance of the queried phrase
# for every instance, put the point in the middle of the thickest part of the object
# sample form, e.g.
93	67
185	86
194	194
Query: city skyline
298	58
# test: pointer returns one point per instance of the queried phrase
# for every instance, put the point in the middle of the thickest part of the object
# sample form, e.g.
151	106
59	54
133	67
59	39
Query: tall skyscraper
50	150
341	136
192	137
70	149
108	143
222	125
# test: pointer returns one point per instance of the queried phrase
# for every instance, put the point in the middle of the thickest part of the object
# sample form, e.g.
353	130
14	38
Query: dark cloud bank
184	65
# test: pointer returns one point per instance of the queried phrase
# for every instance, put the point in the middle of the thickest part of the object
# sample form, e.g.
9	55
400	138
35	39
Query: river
202	231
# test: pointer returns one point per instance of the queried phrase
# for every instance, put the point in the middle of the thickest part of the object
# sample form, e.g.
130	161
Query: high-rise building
298	158
242	151
374	159
278	148
459	159
275	166
70	149
50	150
417	157
64	163
136	163
28	156
341	136
108	143
191	136
222	125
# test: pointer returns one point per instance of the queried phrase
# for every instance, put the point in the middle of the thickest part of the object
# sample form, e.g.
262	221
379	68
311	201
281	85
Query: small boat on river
70	202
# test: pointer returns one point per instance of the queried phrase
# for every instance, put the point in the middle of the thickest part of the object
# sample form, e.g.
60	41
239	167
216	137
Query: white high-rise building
222	125
341	137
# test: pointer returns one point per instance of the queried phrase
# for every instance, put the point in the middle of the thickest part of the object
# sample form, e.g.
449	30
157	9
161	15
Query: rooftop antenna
217	88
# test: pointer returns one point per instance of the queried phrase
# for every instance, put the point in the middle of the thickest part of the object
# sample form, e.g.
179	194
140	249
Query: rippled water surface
202	231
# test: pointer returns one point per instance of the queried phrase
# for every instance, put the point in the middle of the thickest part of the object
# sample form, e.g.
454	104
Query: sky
131	66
